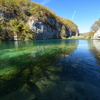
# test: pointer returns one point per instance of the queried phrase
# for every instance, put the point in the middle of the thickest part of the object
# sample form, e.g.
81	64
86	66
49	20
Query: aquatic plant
22	66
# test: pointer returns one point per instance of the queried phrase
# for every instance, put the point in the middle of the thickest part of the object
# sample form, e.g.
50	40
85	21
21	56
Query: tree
90	34
63	31
20	28
95	26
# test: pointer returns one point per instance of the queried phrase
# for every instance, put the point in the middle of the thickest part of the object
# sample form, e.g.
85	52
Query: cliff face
6	15
48	29
97	34
44	29
42	26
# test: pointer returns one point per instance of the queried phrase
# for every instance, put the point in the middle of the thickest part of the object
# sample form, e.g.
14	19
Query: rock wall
48	29
4	14
97	34
44	30
44	27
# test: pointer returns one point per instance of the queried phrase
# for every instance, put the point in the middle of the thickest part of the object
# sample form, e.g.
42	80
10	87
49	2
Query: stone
97	34
48	29
44	27
43	30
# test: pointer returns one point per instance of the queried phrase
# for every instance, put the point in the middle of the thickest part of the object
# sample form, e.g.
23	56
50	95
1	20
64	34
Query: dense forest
19	12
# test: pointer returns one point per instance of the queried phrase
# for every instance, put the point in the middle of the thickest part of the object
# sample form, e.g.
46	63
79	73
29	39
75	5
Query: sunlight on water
50	70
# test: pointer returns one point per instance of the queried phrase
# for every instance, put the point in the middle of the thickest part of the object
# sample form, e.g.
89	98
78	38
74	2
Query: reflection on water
95	49
49	70
96	44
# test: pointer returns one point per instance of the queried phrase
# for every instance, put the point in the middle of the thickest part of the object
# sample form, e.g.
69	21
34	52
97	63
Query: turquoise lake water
57	69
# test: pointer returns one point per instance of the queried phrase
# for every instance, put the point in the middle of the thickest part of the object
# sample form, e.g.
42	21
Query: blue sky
82	12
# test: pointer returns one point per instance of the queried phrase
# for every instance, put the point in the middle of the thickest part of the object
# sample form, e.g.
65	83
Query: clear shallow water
50	70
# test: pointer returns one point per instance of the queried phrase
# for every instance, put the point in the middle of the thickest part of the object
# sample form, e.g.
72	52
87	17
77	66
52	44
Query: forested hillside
15	16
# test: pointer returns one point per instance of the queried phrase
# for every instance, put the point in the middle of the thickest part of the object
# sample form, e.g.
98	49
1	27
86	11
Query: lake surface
50	70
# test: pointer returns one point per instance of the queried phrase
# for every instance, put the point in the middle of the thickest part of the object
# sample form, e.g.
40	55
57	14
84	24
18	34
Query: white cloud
73	15
44	2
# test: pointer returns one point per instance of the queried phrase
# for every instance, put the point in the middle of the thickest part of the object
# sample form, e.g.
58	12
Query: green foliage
25	8
63	31
90	34
27	12
14	2
77	37
14	24
95	26
21	28
3	25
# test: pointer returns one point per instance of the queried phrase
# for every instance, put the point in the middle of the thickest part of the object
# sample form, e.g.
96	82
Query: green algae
20	66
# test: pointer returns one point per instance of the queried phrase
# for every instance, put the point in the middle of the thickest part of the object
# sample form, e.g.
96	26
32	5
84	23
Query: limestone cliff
97	34
48	29
44	29
42	23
